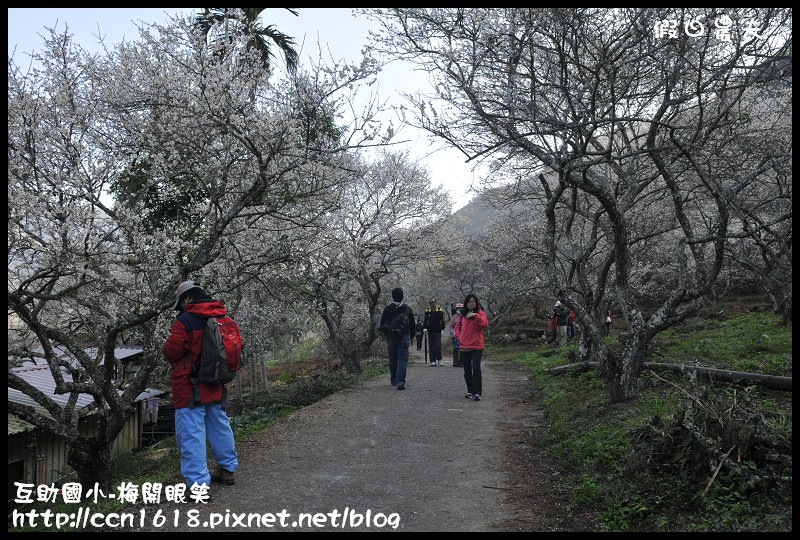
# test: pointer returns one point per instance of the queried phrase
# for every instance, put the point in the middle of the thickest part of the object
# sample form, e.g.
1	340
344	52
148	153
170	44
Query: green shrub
639	467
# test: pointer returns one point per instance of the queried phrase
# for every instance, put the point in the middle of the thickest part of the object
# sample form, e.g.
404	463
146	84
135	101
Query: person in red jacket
468	331
198	415
570	324
550	337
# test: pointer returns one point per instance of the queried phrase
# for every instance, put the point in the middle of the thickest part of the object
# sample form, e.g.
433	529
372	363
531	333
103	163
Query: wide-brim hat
183	288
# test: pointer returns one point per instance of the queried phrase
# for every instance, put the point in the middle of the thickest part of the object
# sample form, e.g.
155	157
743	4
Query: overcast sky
334	28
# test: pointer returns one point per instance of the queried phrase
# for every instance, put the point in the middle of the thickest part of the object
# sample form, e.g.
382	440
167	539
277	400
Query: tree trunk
91	459
621	370
351	359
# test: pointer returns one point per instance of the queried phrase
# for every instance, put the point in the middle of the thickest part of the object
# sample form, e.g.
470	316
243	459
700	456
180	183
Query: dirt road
422	459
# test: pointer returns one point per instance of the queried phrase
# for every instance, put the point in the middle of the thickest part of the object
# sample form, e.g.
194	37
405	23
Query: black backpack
398	327
221	356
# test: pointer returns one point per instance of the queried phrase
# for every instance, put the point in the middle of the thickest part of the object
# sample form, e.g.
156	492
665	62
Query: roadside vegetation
160	463
652	464
690	454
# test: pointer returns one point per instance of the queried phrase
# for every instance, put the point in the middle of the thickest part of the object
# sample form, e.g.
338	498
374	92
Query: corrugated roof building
40	458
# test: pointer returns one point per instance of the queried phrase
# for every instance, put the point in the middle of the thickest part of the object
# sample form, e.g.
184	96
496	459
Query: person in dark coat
433	322
397	345
562	313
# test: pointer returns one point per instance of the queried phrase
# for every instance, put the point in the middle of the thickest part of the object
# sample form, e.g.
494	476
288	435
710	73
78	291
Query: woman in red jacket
469	332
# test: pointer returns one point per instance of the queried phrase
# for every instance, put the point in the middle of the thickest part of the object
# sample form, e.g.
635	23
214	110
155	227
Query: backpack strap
194	395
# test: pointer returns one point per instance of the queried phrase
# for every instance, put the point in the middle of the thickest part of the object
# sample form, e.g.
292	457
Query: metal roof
40	377
121	352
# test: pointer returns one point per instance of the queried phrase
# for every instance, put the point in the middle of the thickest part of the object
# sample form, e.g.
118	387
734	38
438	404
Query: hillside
690	453
473	217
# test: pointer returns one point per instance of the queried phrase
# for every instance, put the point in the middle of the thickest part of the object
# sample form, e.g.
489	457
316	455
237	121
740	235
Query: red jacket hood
215	308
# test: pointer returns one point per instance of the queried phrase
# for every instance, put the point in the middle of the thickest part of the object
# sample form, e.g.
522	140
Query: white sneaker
439	363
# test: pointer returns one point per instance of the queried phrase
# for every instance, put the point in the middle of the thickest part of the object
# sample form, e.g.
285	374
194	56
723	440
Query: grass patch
756	342
638	467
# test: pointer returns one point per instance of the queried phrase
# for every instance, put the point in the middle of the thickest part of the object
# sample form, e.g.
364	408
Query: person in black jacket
397	345
434	323
562	313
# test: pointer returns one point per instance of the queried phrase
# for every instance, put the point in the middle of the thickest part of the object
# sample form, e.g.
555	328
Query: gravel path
423	459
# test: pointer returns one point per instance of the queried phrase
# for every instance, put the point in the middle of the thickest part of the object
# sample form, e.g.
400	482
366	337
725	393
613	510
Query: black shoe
223	477
401	387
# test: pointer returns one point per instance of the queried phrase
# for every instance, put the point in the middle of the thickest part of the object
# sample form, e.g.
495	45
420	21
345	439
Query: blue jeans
398	359
192	426
471	360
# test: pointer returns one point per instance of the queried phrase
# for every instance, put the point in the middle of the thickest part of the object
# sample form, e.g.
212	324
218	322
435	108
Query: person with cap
204	419
453	319
562	313
433	322
397	345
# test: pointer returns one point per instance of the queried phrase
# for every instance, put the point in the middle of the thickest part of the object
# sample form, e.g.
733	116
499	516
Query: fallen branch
694	399
563	369
719	467
774	382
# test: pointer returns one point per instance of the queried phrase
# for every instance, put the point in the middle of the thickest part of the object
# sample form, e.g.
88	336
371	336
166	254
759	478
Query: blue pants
398	359
192	426
471	360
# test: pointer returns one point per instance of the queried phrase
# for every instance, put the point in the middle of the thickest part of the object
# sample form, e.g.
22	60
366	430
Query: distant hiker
570	324
552	333
419	335
469	332
607	324
196	421
397	324
453	319
433	322
562	313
